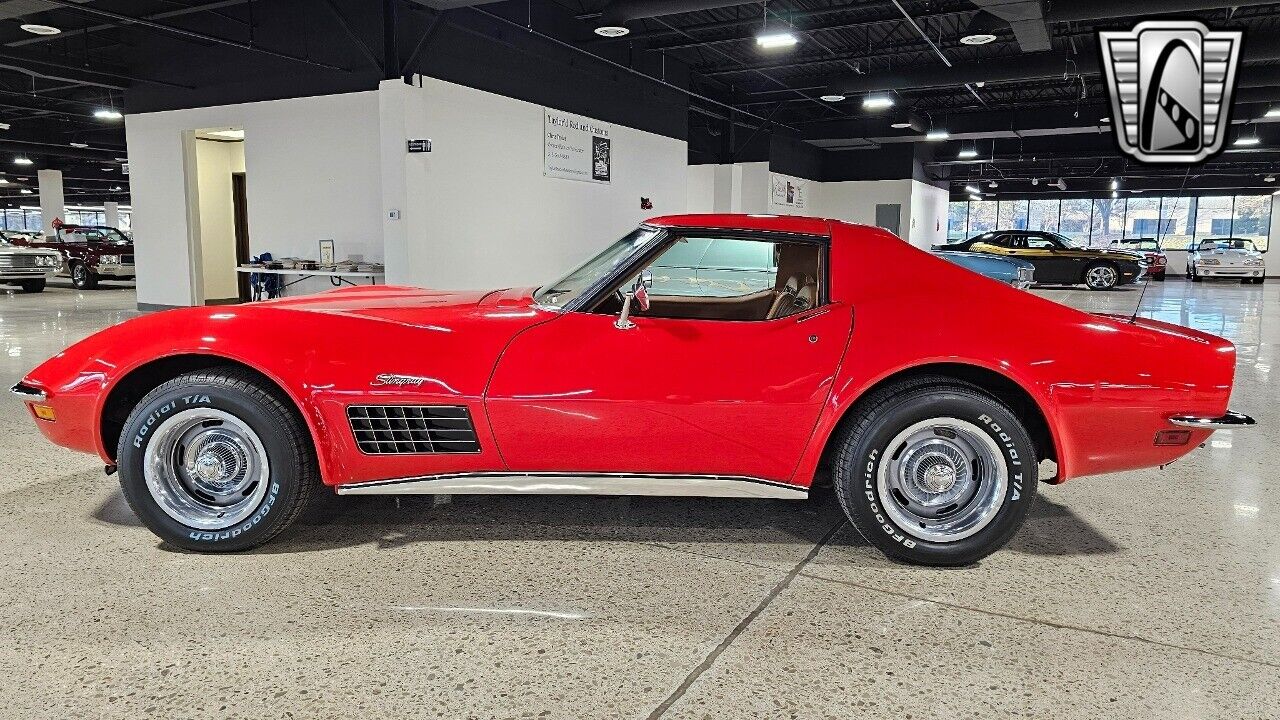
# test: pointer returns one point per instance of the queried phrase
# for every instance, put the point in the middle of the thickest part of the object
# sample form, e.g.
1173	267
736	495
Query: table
341	275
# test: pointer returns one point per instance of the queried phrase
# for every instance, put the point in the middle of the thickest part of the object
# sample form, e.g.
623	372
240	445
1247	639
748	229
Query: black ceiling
1031	102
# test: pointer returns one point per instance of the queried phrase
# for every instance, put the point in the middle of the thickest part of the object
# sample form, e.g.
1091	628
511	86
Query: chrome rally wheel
934	470
943	480
206	468
217	460
1101	277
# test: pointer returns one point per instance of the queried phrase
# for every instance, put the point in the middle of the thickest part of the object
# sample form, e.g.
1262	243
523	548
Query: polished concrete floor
1152	594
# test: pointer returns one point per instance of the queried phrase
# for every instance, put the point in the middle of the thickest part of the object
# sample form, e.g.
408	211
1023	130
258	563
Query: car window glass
718	278
1039	242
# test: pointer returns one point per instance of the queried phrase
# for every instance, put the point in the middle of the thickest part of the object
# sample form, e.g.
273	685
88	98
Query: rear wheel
215	461
1101	276
82	277
935	472
33	286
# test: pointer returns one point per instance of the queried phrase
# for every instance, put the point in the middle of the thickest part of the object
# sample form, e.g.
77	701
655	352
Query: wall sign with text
575	147
788	191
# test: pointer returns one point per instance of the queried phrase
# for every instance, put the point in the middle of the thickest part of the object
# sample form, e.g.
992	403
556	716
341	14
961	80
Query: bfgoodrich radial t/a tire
215	461
936	472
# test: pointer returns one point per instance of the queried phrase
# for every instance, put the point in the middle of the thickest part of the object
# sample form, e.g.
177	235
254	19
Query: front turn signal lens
44	412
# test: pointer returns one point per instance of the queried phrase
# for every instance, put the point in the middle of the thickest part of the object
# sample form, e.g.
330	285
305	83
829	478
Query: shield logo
1171	83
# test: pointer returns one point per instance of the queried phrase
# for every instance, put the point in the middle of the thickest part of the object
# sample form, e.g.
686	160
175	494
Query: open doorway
218	216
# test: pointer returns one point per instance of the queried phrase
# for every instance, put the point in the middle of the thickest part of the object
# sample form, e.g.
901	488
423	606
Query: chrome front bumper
1226	422
115	271
28	393
28	274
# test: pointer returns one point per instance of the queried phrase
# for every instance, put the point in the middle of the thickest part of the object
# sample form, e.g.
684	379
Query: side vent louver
412	429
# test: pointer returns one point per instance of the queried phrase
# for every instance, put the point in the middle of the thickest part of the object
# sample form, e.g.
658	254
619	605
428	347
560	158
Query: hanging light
772	41
972	189
877	102
107	114
981	29
967	153
937	135
22	160
832	98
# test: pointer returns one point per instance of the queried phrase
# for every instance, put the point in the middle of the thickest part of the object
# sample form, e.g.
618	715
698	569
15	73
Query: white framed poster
788	191
575	147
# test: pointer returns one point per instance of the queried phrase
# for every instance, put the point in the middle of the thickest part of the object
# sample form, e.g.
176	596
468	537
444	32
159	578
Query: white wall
312	172
215	162
928	224
477	211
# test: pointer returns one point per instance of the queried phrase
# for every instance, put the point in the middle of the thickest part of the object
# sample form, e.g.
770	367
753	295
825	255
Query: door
728	379
240	208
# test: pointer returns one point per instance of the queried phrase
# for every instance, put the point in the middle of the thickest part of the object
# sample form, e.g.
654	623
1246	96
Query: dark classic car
1157	261
90	253
1058	260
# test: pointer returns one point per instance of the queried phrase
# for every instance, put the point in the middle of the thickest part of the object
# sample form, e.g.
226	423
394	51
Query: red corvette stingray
771	351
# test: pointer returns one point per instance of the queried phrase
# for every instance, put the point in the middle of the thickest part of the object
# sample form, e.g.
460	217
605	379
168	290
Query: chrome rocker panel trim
28	393
547	483
1226	422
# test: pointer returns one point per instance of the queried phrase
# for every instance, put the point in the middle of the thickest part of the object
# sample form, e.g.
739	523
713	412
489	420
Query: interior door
679	396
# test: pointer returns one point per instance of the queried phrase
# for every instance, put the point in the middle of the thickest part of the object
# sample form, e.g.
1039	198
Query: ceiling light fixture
1115	195
968	153
773	41
981	29
78	145
877	102
993	184
1105	120
975	198
834	97
1269	178
36	29
1115	184
612	31
1273	113
973	190
900	125
1247	141
25	191
107	114
1035	181
22	160
936	135
4	181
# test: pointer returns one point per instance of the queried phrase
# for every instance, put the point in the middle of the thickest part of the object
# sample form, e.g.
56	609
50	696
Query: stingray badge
1171	83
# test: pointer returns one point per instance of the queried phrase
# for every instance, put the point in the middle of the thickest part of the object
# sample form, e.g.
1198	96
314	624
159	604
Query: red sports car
701	355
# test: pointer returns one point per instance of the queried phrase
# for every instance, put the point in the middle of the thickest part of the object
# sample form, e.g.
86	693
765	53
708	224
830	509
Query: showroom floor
1146	594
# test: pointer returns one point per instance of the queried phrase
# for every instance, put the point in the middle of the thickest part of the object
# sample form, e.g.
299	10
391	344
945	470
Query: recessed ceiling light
900	125
107	114
936	135
22	160
611	31
877	102
831	98
776	40
1252	140
78	145
40	29
968	153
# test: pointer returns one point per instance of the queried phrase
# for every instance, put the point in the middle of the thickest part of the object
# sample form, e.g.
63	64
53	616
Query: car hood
23	250
414	306
1231	254
1118	254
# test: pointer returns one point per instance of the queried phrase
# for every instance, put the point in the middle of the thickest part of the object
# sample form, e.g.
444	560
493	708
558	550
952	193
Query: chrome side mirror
639	290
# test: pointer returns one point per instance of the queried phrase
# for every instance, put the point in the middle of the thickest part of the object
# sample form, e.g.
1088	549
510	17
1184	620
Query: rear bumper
1226	422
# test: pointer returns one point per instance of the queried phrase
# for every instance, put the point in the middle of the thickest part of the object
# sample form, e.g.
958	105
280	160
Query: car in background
27	267
1058	260
91	253
1157	261
1015	272
1226	258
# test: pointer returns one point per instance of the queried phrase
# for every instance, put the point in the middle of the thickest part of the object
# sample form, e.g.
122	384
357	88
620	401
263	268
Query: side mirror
645	279
639	293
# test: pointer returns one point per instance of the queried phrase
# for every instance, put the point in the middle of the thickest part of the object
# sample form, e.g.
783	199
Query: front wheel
935	472
1101	276
82	277
216	461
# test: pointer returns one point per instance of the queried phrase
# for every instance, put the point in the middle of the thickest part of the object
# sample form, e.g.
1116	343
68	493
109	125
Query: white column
112	212
52	204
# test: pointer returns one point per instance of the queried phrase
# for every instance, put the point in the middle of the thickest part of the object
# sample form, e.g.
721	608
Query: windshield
562	291
1231	244
94	234
1066	241
1138	245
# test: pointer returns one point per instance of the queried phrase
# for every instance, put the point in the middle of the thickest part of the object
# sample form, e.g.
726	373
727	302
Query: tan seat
798	294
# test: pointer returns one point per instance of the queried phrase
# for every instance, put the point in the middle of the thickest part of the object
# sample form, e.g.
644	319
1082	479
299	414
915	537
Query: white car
1226	258
27	267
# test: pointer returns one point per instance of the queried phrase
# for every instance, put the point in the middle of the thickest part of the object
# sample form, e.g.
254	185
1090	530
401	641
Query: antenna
1145	285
